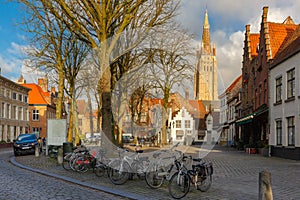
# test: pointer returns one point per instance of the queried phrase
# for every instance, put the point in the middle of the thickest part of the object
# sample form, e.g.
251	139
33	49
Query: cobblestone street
235	177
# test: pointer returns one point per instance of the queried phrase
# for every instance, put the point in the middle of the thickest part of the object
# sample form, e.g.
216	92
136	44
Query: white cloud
13	64
227	22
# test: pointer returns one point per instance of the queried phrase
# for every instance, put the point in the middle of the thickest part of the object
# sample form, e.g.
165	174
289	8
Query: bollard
37	151
265	186
60	156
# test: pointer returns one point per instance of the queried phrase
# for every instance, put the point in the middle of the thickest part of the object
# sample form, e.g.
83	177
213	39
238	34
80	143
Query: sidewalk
235	177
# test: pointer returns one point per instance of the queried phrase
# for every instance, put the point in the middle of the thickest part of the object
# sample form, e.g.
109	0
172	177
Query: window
26	99
14	112
3	110
35	115
20	113
8	93
279	132
36	130
3	92
291	131
260	95
291	83
26	114
8	114
178	123
14	96
20	97
187	124
265	91
256	99
278	89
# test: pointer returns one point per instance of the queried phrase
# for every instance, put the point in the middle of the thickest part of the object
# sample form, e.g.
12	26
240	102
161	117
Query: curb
75	181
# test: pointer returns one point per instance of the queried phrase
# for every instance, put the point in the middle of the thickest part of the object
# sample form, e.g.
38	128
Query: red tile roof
279	35
234	83
291	47
36	94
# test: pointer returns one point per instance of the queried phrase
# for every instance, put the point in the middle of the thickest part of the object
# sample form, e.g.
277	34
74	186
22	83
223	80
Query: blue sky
227	20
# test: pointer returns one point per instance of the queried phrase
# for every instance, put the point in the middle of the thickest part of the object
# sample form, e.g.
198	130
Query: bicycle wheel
79	165
204	183
154	179
100	170
118	172
179	185
66	160
72	162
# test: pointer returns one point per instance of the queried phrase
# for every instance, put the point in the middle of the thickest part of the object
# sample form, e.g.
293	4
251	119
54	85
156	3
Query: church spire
206	48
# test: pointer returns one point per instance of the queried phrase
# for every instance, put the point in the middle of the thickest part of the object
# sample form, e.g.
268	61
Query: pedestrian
40	143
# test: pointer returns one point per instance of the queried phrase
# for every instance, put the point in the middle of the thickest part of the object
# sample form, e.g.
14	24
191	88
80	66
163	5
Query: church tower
206	74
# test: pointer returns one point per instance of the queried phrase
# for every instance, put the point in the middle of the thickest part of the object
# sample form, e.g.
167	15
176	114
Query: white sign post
56	132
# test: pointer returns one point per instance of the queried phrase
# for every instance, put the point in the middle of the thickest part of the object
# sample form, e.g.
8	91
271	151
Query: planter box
251	150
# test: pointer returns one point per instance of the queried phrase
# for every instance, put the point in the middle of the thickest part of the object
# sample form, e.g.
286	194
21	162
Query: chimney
43	83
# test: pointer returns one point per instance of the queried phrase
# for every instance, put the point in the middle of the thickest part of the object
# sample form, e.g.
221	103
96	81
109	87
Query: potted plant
250	148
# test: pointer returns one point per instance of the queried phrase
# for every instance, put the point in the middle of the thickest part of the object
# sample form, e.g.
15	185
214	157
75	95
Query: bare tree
47	36
54	47
171	64
100	25
76	54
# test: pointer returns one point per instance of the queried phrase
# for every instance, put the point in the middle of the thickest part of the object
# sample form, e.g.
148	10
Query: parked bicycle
81	161
102	163
69	158
161	170
126	166
200	175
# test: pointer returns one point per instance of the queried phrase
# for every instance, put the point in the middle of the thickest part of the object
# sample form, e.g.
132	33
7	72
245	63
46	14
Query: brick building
259	51
41	105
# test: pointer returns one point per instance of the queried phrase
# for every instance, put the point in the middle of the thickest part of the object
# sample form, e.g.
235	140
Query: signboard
56	132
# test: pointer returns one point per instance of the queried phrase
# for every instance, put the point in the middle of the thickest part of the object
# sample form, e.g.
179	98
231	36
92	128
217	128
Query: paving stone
235	177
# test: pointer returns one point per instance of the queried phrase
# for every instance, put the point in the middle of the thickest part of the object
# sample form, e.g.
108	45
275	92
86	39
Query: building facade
284	93
206	74
183	127
259	52
14	110
41	105
230	101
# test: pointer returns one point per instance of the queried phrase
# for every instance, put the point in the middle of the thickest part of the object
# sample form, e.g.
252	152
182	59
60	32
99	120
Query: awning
249	118
245	120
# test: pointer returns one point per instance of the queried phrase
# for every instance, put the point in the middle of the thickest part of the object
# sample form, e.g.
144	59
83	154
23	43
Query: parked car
25	144
127	138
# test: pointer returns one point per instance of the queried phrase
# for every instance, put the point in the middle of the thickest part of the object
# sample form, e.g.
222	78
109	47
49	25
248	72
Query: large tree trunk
71	122
90	111
105	85
76	125
164	116
60	95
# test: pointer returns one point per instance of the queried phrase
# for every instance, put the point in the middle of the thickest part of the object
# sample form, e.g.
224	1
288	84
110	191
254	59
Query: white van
127	137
